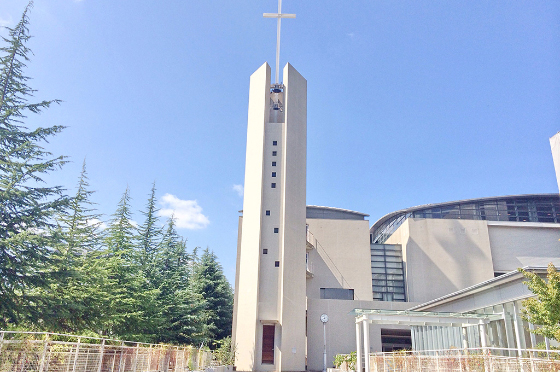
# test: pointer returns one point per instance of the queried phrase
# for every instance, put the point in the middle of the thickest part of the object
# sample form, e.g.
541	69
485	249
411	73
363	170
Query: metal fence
467	360
50	352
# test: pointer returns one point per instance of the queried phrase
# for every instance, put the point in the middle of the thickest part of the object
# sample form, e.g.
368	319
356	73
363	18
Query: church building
304	273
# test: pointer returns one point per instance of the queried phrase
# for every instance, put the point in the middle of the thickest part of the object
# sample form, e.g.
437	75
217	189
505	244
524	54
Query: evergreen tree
180	306
27	208
148	243
210	282
129	303
82	224
149	238
77	300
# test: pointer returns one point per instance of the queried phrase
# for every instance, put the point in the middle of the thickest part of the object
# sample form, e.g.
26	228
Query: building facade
269	305
297	262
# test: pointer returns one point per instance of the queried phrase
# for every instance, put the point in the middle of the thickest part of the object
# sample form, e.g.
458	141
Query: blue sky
409	102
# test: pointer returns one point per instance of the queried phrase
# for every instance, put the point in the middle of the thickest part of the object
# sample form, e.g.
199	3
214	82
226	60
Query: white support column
509	333
366	344
358	349
533	338
465	338
482	331
518	326
484	344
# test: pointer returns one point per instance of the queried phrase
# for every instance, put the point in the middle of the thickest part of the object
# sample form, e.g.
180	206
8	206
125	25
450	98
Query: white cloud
187	213
350	35
238	189
5	22
94	221
132	222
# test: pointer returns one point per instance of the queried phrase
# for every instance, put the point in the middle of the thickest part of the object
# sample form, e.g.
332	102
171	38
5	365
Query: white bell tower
270	286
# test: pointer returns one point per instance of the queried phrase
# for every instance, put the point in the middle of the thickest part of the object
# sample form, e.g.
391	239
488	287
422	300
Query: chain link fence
50	352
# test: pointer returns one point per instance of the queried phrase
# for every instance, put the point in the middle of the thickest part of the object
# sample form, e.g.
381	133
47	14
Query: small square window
273	174
276	263
273	163
274	153
265	251
276	230
267	213
273	185
274	143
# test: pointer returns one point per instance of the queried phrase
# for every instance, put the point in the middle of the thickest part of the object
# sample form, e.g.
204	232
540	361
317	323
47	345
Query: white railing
467	360
311	241
51	352
309	269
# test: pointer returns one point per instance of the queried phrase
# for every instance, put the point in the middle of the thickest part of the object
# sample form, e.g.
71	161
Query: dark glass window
276	263
273	163
276	230
274	153
265	251
273	174
273	185
274	143
336	294
267	213
387	272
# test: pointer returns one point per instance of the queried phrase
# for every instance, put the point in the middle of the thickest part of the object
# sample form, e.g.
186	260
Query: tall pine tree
77	301
148	243
130	303
149	237
180	306
27	206
210	282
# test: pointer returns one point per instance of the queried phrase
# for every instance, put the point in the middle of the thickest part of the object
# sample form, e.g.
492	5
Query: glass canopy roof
422	318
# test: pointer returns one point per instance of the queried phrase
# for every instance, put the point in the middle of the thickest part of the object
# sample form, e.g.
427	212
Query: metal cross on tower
279	17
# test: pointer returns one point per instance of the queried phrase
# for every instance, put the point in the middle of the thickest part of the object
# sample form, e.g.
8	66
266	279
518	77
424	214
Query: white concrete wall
342	258
555	148
340	329
292	301
492	295
266	293
519	244
442	256
236	292
246	322
272	201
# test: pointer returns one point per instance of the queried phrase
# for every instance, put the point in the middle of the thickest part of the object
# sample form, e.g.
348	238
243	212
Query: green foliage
210	283
349	359
27	207
544	309
76	299
149	237
129	301
61	272
180	306
225	352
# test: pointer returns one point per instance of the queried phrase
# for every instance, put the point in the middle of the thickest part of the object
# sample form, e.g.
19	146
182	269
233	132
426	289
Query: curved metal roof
387	217
337	210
